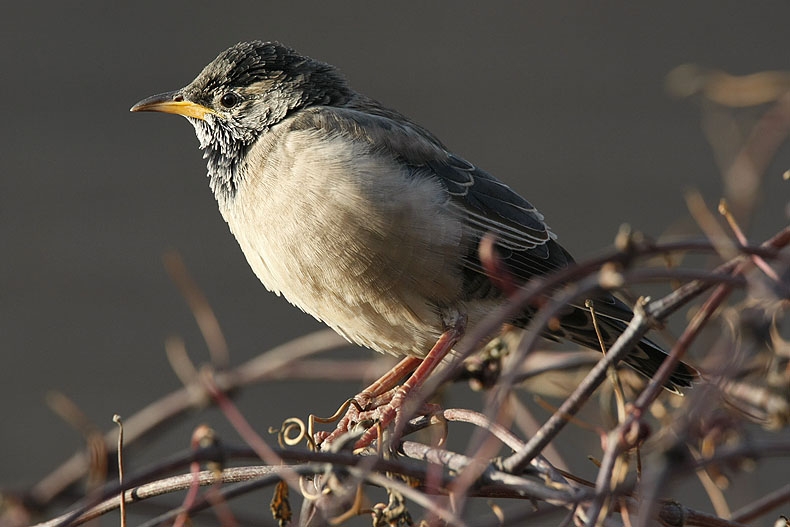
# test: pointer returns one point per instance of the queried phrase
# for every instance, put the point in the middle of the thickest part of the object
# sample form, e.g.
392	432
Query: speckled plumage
360	217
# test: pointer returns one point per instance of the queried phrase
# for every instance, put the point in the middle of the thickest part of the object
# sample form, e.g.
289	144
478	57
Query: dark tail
576	325
648	356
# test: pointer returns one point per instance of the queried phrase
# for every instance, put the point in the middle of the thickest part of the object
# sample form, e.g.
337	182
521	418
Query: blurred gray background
562	100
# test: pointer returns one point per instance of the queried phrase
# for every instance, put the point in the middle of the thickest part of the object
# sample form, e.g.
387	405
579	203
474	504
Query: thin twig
117	419
201	309
762	506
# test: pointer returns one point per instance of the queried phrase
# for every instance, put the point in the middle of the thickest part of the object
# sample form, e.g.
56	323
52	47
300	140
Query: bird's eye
229	100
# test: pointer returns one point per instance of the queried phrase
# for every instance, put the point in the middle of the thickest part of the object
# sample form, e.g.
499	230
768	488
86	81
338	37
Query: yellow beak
172	102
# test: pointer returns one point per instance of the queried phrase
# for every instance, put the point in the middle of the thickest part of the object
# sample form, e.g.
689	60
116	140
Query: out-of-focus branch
639	325
163	410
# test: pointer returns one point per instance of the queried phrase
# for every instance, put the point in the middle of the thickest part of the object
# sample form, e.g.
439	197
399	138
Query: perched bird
362	218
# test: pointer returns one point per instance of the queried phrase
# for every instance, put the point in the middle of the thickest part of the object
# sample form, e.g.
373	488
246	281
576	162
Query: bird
366	220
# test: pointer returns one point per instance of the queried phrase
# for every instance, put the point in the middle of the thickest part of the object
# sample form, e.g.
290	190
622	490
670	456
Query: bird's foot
382	403
393	414
372	417
360	415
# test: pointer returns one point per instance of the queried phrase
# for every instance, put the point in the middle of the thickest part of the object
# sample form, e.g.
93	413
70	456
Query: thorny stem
641	322
145	485
261	367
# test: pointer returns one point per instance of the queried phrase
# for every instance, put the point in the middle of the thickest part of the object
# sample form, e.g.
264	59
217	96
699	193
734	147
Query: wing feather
485	204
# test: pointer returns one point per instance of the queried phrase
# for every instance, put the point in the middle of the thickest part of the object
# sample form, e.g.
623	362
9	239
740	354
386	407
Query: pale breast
350	237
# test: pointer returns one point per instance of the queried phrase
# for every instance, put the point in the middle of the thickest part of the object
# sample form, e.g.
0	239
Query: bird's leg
455	326
387	381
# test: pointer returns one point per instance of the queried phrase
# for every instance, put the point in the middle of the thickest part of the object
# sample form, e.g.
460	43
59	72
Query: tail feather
647	357
576	325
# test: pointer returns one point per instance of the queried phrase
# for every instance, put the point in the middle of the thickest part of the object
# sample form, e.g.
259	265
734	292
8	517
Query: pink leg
394	410
390	379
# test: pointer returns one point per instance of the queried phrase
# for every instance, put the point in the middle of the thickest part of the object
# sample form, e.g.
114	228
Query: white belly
350	239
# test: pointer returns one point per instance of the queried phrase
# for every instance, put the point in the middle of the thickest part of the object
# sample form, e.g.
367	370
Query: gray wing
524	242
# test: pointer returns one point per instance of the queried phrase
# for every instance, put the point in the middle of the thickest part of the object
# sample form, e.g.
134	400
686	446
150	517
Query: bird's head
241	94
